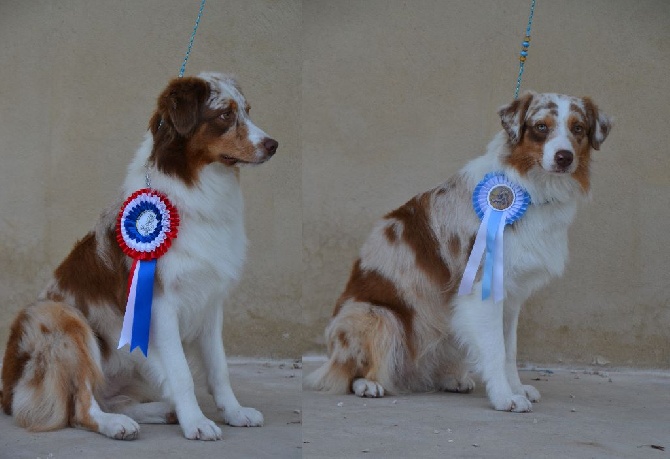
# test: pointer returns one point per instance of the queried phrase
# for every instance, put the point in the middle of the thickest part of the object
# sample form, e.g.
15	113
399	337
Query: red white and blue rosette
145	227
498	202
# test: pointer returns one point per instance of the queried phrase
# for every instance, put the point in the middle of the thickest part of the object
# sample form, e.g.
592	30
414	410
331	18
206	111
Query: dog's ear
513	116
181	103
599	123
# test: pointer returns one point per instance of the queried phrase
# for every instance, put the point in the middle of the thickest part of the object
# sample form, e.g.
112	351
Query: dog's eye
541	127
577	129
226	115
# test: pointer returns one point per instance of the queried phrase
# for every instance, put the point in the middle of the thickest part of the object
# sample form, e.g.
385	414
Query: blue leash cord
524	49
190	43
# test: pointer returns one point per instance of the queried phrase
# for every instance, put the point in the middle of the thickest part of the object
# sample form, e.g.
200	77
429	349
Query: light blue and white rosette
498	202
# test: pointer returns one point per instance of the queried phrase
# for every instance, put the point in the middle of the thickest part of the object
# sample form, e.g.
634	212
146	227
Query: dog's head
555	133
203	120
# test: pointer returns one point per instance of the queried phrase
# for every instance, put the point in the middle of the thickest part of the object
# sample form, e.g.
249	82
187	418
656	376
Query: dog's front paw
365	388
516	403
243	417
201	429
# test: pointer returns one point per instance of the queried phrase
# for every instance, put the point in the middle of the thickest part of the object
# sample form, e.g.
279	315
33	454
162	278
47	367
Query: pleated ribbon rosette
145	227
498	202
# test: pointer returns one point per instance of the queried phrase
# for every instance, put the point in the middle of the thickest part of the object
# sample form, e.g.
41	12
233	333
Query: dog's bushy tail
51	367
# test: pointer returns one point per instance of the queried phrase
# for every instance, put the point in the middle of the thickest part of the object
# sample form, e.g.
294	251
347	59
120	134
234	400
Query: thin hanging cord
190	43
524	49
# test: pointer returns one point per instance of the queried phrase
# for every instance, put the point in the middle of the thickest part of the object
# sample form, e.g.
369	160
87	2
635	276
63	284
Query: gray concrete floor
272	387
585	413
592	413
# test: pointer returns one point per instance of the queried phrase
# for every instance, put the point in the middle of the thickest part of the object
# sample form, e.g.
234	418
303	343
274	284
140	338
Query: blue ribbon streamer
491	231
143	299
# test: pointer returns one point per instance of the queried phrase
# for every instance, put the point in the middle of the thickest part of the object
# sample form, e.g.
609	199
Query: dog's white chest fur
536	249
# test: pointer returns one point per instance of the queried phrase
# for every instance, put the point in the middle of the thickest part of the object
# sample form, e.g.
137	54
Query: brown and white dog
399	325
62	366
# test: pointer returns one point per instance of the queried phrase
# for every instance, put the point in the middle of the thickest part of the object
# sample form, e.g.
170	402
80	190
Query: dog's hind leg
457	380
364	387
88	415
59	374
453	370
143	412
369	344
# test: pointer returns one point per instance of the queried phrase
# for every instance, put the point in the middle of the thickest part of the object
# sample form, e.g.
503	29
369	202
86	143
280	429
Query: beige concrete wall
372	101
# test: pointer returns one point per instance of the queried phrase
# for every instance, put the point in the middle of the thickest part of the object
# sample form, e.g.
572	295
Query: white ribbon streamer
475	259
127	329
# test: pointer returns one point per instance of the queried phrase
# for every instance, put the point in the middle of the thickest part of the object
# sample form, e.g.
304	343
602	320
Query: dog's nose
270	145
563	158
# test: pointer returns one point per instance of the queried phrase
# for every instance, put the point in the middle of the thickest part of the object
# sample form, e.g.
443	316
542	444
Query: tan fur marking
526	154
55	296
105	348
13	362
583	172
454	245
82	406
391	232
342	338
348	370
368	286
217	145
418	234
86	374
90	279
371	287
390	235
40	363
